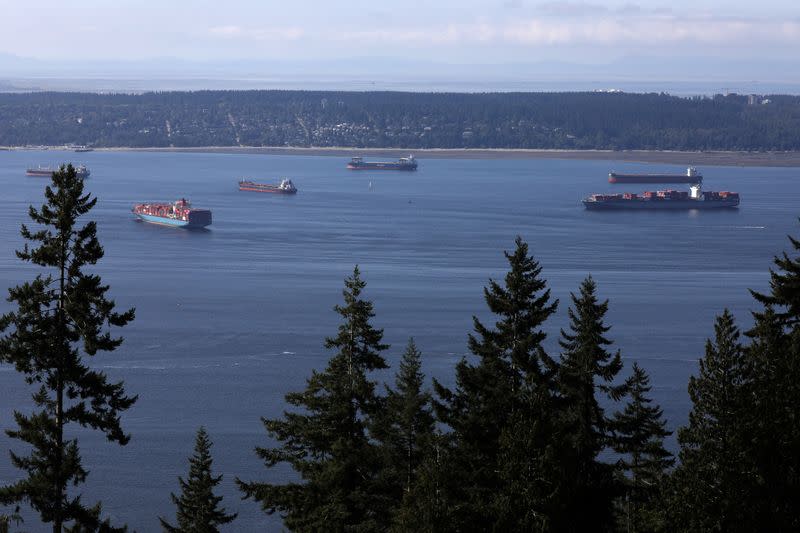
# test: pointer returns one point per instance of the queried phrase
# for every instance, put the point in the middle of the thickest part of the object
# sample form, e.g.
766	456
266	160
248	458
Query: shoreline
708	158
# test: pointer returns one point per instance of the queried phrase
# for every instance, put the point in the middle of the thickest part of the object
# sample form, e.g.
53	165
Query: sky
408	34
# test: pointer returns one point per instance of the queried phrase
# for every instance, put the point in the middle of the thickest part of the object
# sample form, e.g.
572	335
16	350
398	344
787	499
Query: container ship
695	198
691	176
285	187
179	214
46	172
404	163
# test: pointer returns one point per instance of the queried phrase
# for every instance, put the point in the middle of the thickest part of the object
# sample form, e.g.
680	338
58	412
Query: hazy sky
457	31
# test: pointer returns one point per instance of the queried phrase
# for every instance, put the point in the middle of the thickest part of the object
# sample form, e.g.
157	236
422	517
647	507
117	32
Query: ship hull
48	173
381	166
175	223
274	190
660	205
655	178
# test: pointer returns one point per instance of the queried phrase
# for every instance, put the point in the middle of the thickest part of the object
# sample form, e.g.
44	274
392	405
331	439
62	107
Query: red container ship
180	214
285	187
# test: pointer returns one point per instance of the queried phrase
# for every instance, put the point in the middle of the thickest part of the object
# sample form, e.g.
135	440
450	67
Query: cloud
571	9
625	27
257	34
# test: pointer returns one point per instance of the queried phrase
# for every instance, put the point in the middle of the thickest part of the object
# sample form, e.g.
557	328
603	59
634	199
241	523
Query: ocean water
231	319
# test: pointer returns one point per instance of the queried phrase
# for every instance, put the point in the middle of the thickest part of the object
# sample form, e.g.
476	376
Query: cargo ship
695	198
46	172
179	214
691	176
404	163
285	187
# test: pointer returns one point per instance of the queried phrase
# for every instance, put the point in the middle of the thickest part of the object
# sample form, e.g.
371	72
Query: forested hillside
597	120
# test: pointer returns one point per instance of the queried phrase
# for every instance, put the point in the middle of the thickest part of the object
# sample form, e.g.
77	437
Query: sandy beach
710	158
745	159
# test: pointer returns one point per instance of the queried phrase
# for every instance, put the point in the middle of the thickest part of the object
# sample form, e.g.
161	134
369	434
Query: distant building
753	99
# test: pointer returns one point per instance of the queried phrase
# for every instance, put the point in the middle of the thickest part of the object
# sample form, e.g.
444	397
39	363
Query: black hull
660	205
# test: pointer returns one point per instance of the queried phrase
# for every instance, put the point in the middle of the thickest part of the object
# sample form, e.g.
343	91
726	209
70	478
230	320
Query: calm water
230	319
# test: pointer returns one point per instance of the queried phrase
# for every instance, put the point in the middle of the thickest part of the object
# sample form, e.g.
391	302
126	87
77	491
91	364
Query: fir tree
785	288
714	486
428	506
198	507
531	459
326	440
770	418
587	370
405	428
774	356
488	393
641	430
61	315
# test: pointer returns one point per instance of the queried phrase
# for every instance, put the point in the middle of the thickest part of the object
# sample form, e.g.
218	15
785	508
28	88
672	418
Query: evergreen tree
587	370
531	459
785	288
405	428
488	392
714	488
59	316
641	430
428	506
198	507
326	440
774	358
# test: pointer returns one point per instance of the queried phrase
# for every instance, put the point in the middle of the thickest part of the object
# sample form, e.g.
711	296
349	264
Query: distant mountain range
701	75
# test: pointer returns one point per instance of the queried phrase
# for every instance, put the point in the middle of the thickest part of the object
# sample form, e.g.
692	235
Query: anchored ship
691	176
285	187
696	198
404	163
180	214
46	172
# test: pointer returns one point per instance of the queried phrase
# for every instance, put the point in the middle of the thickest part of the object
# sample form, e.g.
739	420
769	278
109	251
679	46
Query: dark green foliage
531	459
198	508
587	370
428	507
326	440
405	429
641	430
59	316
785	287
773	420
490	392
538	120
716	476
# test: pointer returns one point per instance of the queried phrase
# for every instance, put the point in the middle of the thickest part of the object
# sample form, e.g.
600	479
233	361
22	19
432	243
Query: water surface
230	319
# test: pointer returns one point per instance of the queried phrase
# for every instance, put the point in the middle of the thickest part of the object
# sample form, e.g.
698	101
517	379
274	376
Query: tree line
580	120
525	440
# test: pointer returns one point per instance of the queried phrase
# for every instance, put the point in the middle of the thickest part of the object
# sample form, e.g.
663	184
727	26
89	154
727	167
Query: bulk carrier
180	214
691	176
669	199
404	163
285	187
45	172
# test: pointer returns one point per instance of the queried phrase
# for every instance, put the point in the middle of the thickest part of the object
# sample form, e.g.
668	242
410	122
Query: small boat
285	187
83	149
